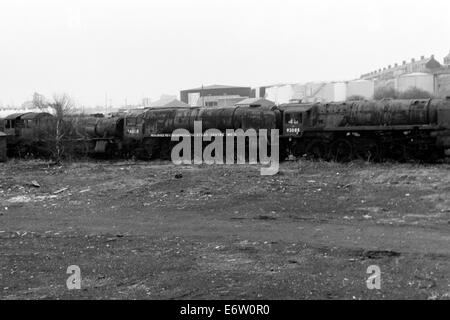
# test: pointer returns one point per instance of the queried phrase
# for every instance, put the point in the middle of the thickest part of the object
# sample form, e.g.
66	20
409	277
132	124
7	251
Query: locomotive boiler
105	135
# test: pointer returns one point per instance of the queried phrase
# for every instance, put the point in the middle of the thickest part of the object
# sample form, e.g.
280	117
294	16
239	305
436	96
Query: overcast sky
132	49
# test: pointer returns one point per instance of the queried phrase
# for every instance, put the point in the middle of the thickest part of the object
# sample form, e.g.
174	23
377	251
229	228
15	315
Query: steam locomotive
368	130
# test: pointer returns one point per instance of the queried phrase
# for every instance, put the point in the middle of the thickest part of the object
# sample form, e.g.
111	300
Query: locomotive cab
13	123
296	118
134	126
35	124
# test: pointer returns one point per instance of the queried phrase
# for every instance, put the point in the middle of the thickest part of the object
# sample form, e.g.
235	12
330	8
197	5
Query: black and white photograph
224	155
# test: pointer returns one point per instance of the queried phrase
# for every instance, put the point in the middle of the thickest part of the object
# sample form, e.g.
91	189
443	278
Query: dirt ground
154	230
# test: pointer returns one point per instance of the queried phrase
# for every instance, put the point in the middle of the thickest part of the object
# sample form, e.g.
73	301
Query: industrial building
214	95
219	101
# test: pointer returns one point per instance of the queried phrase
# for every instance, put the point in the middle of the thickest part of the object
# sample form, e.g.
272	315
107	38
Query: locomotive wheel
408	155
148	149
405	154
341	150
368	151
316	149
432	156
296	148
165	149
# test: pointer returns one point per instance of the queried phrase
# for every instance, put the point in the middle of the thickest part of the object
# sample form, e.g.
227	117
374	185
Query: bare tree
39	101
62	106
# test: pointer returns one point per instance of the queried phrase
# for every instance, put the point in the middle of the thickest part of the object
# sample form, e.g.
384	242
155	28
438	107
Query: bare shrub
356	97
385	93
415	93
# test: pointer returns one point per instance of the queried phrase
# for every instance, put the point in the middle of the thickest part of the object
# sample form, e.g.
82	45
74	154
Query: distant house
392	71
425	73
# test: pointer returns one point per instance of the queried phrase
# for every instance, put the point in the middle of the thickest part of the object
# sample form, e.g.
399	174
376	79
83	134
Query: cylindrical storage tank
364	88
340	91
423	81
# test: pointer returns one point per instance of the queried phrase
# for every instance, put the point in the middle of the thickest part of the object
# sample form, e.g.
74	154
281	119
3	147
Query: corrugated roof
15	115
2	134
135	112
255	101
33	115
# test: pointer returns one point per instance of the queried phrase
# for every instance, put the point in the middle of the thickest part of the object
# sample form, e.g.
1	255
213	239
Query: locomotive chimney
413	60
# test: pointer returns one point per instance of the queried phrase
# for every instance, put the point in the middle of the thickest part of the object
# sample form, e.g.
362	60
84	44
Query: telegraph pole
106	103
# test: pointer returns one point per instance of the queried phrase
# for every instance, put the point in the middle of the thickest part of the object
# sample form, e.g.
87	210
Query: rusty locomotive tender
369	130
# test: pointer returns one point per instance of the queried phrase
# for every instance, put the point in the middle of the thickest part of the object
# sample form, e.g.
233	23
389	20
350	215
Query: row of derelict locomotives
401	130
